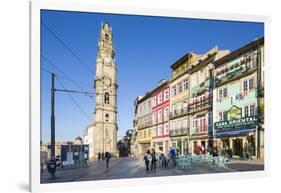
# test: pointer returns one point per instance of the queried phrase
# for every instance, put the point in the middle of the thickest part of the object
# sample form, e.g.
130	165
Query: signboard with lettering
236	123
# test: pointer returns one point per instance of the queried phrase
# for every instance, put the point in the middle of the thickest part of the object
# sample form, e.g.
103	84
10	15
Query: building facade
105	112
144	123
201	99
179	100
160	98
238	97
88	138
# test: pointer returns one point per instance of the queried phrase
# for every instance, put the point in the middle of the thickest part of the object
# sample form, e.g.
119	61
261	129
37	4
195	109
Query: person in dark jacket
146	159
153	161
102	155
107	157
99	156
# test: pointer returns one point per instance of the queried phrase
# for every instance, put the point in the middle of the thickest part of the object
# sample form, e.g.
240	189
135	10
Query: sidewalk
246	165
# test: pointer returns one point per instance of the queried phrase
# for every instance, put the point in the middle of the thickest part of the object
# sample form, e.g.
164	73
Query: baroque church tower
105	112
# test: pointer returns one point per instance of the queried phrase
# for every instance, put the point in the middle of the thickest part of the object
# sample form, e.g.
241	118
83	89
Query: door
238	147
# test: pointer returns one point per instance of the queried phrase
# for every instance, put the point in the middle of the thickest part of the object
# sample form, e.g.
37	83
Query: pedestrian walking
153	161
173	156
146	159
102	155
99	156
107	157
164	161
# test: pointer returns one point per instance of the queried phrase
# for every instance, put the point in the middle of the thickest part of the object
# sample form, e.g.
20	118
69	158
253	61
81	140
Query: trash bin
52	166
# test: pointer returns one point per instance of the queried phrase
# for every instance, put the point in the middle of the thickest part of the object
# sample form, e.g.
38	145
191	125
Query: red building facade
160	117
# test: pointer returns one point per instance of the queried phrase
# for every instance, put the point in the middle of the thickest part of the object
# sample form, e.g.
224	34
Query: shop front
181	144
161	145
239	135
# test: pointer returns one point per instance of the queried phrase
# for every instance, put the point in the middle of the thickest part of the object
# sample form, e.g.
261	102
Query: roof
187	56
236	53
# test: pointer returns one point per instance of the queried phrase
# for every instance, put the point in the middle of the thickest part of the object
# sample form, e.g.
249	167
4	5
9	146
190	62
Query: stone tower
105	112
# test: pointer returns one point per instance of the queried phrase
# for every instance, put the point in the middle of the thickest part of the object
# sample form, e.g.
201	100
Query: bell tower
105	84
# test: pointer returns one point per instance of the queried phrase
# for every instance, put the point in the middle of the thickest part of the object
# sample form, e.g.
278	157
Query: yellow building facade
179	119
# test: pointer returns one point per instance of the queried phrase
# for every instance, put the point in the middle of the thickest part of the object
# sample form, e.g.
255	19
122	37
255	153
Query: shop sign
236	123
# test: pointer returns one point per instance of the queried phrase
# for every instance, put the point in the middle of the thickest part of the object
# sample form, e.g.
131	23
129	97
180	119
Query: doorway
238	147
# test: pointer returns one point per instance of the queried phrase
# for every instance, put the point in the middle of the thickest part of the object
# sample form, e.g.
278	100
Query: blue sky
145	49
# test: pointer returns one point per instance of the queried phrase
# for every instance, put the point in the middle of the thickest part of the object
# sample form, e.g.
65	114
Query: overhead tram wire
74	101
66	46
65	76
90	94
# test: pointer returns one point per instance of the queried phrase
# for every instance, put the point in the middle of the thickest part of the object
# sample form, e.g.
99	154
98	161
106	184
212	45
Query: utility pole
53	153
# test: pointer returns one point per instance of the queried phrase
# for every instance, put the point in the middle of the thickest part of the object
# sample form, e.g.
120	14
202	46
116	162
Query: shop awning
235	132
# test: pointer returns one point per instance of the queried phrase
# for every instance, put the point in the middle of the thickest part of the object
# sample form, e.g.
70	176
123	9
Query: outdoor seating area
188	161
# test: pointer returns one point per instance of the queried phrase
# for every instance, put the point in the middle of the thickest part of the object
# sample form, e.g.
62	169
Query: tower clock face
107	81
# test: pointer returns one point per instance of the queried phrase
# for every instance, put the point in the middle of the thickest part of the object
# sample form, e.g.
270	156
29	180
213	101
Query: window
159	116
174	108
166	128
252	110
246	111
220	93
106	117
220	116
173	125
225	92
149	105
225	116
174	91
180	87
195	123
179	124
144	134
160	130
245	85
106	98
166	95
166	113
185	84
140	134
251	84
185	123
106	36
153	118
202	126
154	131
160	98
154	101
149	133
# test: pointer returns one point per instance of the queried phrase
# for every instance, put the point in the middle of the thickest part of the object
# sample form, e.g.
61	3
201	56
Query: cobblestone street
134	168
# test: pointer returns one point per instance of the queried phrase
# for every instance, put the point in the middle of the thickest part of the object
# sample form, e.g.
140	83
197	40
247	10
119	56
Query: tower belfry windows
106	36
106	98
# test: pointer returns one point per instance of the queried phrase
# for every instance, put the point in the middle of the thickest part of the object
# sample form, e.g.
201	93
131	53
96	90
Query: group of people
104	156
151	158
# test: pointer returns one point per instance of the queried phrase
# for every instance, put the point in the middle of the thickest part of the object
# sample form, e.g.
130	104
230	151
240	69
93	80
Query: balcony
178	112
196	131
180	131
200	105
